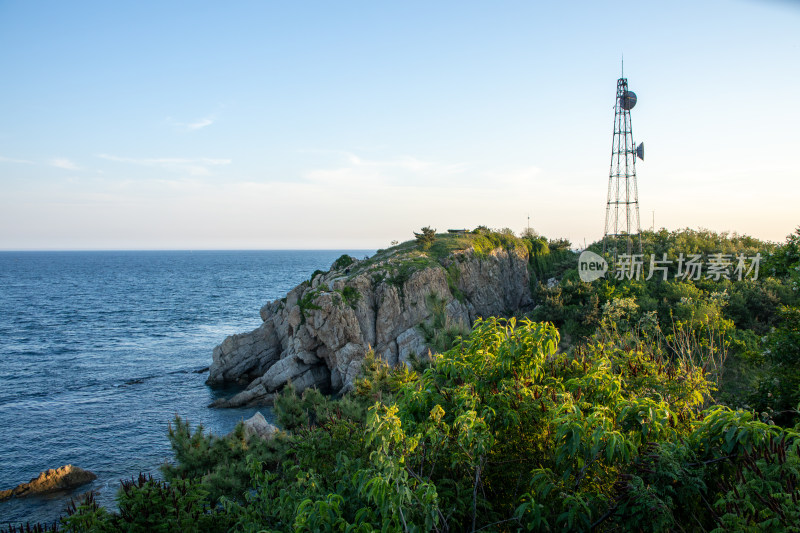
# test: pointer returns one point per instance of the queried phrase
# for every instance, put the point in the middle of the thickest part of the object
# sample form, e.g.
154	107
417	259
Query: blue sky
191	125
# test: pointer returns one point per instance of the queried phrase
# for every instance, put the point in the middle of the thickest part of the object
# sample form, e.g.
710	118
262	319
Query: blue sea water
98	352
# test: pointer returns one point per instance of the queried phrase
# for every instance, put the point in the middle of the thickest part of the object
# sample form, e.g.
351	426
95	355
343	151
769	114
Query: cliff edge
395	302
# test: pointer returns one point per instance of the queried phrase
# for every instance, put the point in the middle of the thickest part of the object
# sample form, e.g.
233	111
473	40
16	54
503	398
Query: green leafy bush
343	262
503	396
779	388
439	332
503	431
218	461
426	238
146	504
351	296
306	303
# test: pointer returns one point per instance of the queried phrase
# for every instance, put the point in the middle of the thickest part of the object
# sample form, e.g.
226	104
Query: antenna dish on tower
622	207
627	100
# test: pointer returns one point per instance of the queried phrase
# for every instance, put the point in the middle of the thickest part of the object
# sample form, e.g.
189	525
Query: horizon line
39	250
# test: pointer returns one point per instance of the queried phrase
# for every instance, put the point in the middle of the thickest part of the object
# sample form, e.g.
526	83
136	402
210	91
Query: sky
325	125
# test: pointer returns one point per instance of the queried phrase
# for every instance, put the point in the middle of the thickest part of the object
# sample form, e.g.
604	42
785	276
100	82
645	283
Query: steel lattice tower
622	206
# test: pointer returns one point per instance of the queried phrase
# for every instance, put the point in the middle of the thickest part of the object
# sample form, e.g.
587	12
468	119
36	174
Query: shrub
500	433
351	296
344	261
440	333
426	238
146	504
453	275
219	461
779	389
306	303
559	244
503	396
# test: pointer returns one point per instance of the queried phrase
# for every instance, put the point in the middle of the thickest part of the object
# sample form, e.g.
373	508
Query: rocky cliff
319	333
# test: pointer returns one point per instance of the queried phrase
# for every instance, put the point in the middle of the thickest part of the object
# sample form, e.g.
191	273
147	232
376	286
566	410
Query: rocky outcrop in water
62	478
318	334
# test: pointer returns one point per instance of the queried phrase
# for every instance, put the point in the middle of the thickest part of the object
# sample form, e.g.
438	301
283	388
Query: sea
99	351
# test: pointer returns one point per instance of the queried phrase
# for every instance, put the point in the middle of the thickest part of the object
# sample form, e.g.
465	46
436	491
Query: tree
426	238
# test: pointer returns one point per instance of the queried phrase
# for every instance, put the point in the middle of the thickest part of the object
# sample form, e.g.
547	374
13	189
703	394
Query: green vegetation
746	321
351	296
306	303
426	238
453	276
448	243
503	433
668	406
486	240
146	504
344	261
429	249
547	263
401	272
440	333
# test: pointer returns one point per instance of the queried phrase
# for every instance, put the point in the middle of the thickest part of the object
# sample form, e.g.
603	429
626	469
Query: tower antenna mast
622	230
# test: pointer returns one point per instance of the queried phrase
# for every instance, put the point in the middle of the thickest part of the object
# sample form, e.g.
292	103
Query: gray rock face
318	335
410	343
247	354
496	285
258	425
62	478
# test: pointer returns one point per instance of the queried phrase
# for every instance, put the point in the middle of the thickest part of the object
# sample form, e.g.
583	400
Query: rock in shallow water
62	478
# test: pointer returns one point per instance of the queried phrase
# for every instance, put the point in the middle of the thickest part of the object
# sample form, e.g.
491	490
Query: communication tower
623	232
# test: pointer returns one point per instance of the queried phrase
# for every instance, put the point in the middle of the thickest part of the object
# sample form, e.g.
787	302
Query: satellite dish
640	151
627	100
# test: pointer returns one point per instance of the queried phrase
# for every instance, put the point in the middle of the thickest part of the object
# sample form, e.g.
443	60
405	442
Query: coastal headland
400	303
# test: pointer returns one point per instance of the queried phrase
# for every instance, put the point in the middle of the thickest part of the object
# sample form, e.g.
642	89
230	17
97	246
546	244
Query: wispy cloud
63	162
199	124
195	167
194	125
4	159
353	169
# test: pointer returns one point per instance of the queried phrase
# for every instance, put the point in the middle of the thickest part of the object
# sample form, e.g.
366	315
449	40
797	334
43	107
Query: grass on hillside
410	255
